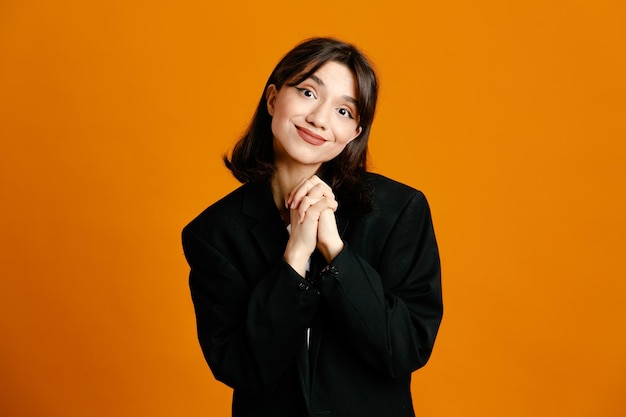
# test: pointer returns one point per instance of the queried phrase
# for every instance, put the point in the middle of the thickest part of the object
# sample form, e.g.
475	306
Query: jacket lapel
268	231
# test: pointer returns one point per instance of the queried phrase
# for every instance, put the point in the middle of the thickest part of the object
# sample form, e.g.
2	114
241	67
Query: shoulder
388	193
226	211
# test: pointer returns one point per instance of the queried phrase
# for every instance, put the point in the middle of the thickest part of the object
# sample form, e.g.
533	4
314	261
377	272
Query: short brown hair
252	158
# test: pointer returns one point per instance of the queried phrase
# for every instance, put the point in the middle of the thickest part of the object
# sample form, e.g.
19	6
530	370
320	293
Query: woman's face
313	121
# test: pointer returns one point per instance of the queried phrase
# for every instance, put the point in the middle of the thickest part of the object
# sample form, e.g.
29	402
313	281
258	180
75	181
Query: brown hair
252	158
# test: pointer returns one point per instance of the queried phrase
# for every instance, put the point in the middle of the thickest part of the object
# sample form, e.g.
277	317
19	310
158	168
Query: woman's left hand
329	242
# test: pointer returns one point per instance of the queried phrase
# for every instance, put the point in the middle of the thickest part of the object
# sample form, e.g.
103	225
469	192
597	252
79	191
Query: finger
333	204
306	202
312	187
314	210
290	196
303	187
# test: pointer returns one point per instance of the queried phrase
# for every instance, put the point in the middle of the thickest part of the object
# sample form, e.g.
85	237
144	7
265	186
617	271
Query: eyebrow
345	97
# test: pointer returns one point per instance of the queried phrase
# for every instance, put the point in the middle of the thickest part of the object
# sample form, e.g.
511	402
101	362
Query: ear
356	133
270	97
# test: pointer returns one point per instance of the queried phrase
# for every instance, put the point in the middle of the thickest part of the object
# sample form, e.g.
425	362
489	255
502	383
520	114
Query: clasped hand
312	207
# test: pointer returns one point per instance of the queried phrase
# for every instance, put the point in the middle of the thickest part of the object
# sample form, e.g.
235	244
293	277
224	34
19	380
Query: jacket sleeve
249	335
390	314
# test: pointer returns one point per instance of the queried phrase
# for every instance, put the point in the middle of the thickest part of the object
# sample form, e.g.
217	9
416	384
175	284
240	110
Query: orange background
509	115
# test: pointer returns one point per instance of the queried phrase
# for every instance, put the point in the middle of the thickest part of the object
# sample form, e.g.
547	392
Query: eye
345	112
305	92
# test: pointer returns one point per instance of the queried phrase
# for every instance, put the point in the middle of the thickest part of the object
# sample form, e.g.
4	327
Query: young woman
316	284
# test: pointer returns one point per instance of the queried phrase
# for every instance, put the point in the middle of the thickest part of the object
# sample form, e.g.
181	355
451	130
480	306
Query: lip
310	137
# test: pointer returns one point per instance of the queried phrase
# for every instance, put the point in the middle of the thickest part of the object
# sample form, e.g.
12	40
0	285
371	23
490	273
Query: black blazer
373	313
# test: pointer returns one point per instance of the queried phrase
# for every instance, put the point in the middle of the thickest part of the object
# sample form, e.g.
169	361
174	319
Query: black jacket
373	313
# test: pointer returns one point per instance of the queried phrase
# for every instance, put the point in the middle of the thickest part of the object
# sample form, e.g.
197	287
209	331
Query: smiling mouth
310	137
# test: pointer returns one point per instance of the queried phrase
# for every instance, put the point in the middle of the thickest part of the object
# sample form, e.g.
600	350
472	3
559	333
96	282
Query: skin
312	123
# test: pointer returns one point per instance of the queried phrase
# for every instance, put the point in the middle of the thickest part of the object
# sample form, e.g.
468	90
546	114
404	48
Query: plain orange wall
509	115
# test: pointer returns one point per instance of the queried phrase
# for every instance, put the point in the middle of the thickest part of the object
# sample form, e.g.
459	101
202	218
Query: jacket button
302	286
330	270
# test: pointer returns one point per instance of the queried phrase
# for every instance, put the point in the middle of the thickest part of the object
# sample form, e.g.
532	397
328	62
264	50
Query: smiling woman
320	110
316	284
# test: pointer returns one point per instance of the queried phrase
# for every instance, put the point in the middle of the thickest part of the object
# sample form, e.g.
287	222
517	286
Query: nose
319	116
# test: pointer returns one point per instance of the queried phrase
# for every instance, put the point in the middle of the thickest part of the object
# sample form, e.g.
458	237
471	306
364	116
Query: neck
286	178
